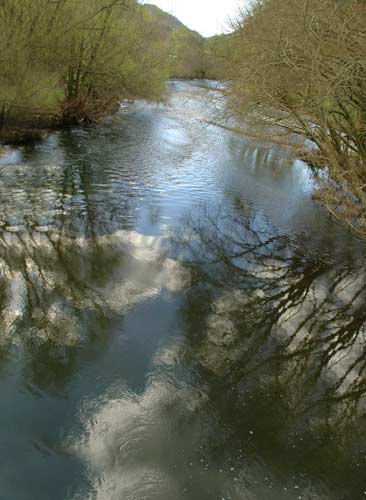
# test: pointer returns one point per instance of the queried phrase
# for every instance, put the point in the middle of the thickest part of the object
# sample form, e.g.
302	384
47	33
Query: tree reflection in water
275	308
59	291
243	404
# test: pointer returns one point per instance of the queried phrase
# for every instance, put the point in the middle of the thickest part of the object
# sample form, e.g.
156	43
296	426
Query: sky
208	17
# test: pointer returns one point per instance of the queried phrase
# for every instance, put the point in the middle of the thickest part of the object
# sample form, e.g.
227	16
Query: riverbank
19	137
36	130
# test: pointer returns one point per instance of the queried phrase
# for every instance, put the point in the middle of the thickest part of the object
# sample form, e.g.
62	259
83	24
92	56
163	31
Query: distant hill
188	54
184	47
165	20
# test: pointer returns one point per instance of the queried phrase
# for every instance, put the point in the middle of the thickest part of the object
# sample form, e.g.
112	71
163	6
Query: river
179	319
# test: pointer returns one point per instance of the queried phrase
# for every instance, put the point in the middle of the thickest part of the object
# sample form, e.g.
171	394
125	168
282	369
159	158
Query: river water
179	320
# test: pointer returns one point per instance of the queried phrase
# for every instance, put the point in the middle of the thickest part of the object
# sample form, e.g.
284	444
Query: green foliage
74	59
186	54
183	48
217	56
164	23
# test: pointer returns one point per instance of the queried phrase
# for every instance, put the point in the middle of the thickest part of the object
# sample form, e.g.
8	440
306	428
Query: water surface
179	320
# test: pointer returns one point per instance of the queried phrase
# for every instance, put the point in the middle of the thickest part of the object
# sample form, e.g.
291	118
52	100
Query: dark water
179	319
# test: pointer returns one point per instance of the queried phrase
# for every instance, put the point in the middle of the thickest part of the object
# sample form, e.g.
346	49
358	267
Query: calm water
179	320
